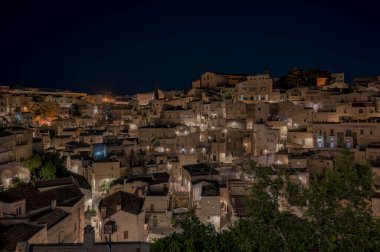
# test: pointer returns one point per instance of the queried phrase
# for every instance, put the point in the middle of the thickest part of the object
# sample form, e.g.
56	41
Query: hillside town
84	172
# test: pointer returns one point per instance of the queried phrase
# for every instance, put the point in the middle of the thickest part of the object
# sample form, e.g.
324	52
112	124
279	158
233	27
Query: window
155	221
332	145
18	210
125	234
360	110
361	132
348	143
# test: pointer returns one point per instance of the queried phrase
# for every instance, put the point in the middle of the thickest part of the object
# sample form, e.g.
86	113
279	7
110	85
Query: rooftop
200	169
211	190
127	201
36	200
50	217
73	179
12	234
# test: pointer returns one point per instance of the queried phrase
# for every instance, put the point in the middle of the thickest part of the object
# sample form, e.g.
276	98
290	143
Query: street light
109	228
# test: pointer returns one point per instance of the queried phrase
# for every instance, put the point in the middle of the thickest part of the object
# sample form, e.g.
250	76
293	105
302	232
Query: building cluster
136	165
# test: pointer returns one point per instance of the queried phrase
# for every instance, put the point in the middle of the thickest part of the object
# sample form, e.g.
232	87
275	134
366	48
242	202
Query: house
157	209
193	172
104	169
60	210
73	179
16	237
206	200
126	210
89	244
239	192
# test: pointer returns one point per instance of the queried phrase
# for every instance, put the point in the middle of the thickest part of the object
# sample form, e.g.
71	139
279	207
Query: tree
298	77
195	237
33	163
48	170
106	184
45	166
340	209
267	228
295	77
311	75
60	169
336	215
17	182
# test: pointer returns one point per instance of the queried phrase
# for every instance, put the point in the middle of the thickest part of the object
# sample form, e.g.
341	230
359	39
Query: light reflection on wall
99	151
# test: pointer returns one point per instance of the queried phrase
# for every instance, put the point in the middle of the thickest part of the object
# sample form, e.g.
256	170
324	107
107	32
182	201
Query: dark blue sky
129	46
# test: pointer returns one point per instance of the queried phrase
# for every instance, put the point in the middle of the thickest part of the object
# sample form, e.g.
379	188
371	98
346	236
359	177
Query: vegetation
106	184
195	237
17	182
45	166
336	216
298	77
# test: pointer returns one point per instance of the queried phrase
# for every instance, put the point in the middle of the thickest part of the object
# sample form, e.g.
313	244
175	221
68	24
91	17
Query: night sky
130	46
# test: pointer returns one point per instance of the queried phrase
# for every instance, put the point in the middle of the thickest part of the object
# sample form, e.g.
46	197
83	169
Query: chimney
53	204
89	237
